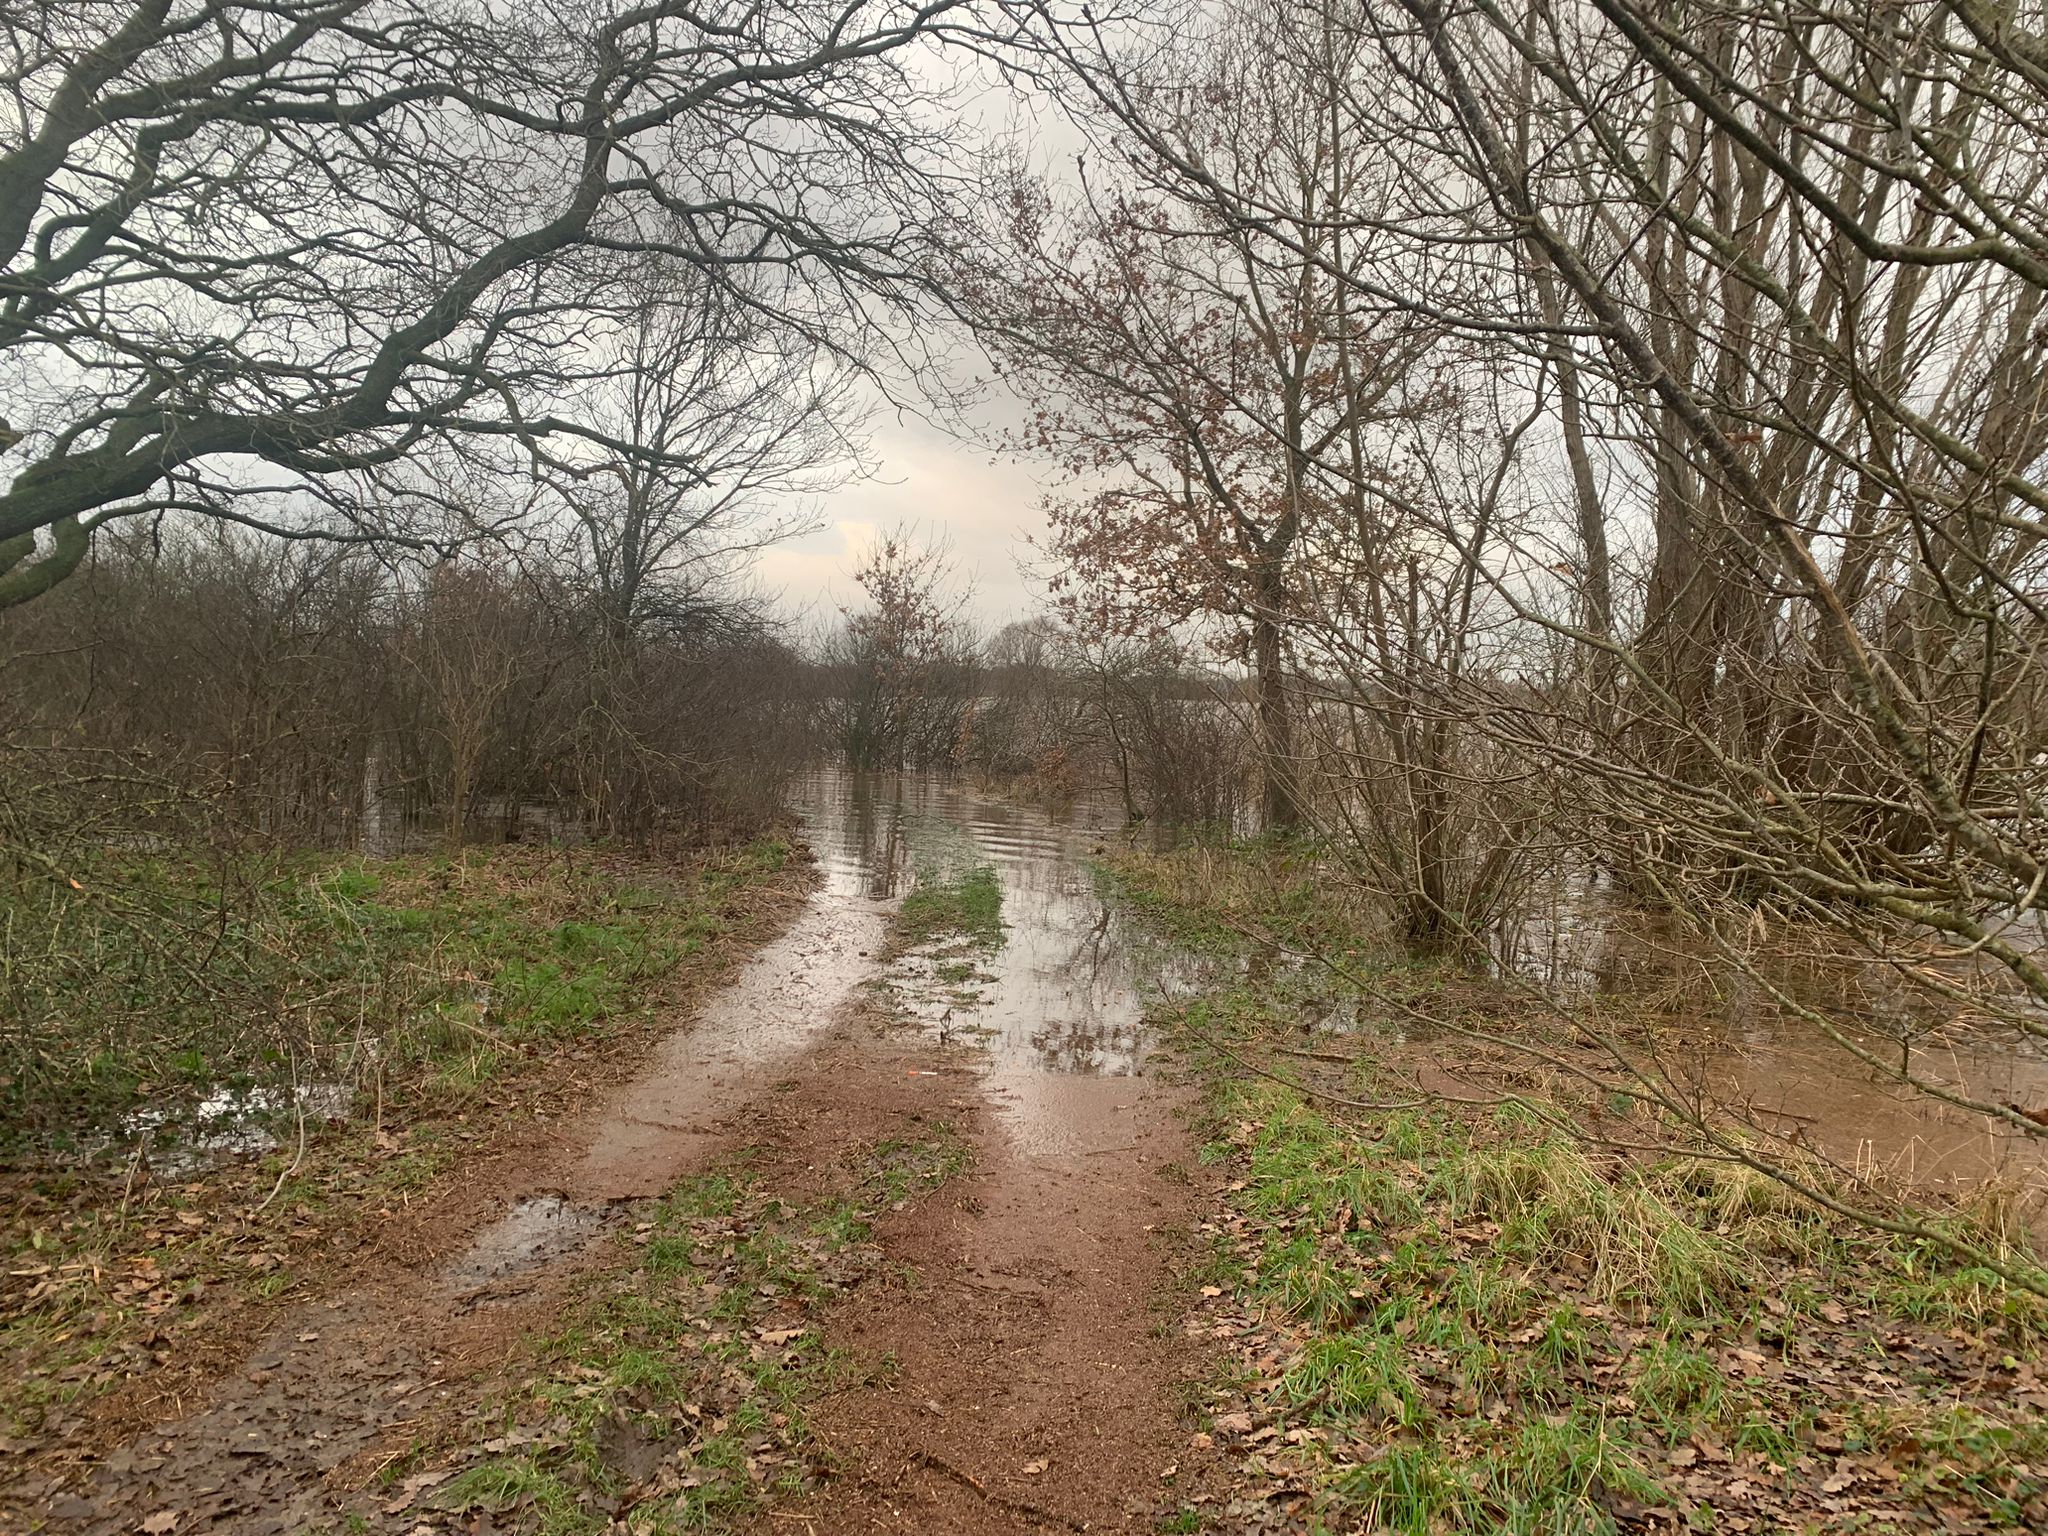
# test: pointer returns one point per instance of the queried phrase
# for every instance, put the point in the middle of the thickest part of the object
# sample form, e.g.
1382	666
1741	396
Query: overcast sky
983	506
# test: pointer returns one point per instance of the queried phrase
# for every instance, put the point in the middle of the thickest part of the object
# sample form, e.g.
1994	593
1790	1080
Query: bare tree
305	264
1765	284
1192	374
903	669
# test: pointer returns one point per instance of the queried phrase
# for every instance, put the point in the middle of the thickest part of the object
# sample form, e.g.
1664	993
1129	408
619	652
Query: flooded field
1738	1042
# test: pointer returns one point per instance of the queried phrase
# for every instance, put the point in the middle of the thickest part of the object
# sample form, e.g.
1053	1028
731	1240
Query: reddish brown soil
1034	1388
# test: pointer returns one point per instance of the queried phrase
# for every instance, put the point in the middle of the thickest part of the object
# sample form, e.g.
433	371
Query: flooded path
1055	1013
1031	1387
1026	1380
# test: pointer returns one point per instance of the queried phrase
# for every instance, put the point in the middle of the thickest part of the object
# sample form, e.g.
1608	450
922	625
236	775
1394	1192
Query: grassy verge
429	997
257	977
677	1400
1466	1319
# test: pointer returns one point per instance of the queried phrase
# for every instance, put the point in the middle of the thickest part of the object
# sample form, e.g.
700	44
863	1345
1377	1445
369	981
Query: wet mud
1028	1378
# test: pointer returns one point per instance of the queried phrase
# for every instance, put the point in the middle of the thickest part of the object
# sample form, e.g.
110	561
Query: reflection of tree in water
877	828
1103	1039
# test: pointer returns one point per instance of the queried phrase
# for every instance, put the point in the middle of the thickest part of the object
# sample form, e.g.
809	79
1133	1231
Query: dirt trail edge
1025	1381
1034	1387
340	1388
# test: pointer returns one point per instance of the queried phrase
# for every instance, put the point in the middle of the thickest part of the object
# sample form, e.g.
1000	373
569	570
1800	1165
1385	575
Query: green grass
1473	1320
701	1360
965	903
1490	1328
163	978
438	989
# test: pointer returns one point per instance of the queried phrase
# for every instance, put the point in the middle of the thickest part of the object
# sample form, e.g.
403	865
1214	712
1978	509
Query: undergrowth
450	986
1471	1318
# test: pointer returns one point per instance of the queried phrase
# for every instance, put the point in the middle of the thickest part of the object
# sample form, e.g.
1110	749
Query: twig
299	1103
1377	1106
134	1163
1001	1500
1339	1056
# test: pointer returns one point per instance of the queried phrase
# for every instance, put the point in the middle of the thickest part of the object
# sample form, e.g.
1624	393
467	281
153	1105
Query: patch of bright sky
981	503
951	484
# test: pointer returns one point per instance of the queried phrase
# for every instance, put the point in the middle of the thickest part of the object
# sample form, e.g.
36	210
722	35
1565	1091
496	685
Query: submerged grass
964	903
1469	1319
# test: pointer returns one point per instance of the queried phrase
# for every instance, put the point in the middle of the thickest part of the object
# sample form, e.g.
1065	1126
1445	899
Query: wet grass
1470	1319
1483	1326
678	1400
1212	896
464	981
965	903
233	981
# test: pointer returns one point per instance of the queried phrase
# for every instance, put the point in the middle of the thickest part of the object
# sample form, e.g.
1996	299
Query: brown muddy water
1056	1011
1057	1008
1055	1014
1725	1041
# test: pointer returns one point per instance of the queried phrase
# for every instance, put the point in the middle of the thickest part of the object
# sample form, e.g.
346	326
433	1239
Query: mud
1033	1387
537	1229
1030	1384
666	1120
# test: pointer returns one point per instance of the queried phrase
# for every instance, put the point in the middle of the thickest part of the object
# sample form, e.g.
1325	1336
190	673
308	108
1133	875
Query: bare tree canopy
298	262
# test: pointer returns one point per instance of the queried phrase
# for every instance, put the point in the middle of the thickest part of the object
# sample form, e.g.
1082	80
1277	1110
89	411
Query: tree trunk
1282	808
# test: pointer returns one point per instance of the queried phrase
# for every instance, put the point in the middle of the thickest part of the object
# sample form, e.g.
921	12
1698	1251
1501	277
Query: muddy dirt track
1033	1384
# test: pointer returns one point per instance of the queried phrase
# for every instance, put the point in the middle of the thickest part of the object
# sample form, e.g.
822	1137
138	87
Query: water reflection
1720	1035
1061	997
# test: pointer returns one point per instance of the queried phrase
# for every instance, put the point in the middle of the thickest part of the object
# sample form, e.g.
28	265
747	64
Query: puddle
660	1123
228	1123
535	1231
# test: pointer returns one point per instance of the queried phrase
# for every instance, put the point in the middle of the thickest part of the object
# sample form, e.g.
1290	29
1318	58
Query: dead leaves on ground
1820	1373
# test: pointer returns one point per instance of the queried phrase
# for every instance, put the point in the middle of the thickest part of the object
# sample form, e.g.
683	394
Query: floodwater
536	1229
788	993
228	1123
1053	1018
1057	1008
1728	1042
